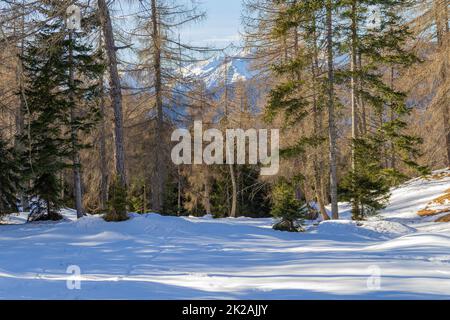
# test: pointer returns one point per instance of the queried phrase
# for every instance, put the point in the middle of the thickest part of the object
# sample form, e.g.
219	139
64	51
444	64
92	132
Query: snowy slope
215	70
156	257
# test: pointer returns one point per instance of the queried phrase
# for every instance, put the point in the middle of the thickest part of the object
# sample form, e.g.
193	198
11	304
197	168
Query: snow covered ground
396	255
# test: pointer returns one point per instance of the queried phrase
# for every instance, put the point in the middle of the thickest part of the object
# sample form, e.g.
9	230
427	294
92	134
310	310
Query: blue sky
218	30
221	25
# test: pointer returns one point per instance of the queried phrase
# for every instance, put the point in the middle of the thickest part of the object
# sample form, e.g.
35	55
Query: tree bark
442	30
115	91
392	118
317	129
234	192
330	103
77	192
207	194
179	192
102	151
361	100
160	172
230	165
20	119
353	80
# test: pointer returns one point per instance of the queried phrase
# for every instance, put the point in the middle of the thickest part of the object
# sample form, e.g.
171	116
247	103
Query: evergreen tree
287	207
56	108
137	195
366	187
372	52
9	179
118	202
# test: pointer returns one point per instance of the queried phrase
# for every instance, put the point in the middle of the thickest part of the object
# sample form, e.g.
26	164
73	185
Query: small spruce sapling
285	206
118	202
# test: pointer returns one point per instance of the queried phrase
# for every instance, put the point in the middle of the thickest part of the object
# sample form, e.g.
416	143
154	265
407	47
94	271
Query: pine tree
371	52
366	187
9	179
287	207
115	94
56	108
118	202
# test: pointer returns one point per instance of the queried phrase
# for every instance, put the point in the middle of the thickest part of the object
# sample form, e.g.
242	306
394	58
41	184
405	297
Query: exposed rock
287	225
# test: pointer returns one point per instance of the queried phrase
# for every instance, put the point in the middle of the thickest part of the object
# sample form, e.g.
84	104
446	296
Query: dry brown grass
445	218
430	212
445	198
441	200
439	176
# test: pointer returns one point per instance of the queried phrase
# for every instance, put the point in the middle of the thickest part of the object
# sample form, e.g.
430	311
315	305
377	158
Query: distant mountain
215	70
212	72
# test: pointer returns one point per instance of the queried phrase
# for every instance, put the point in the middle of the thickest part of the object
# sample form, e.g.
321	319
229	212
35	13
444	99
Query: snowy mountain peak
221	69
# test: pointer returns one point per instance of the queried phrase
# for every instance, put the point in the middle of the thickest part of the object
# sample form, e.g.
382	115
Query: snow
366	229
212	71
159	257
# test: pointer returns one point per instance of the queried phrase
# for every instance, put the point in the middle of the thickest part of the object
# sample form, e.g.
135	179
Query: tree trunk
115	91
330	103
353	81
392	118
318	193
144	198
179	192
234	192
298	193
317	128
446	123
232	212
442	30
102	151
74	137
207	194
361	99
20	119
160	172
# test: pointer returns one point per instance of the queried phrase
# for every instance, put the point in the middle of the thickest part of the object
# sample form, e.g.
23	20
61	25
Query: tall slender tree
379	48
116	99
332	135
162	55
